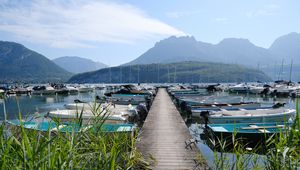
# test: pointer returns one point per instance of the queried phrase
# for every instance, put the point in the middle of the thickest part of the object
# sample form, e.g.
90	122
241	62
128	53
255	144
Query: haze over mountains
230	50
76	64
18	63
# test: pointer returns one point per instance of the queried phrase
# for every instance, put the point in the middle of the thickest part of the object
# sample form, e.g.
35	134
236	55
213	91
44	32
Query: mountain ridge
228	50
75	64
18	63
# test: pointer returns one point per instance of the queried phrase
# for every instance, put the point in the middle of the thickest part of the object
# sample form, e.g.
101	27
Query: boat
2	92
51	126
256	89
84	89
112	113
128	91
95	106
72	90
84	105
43	90
295	93
240	88
263	115
88	116
249	134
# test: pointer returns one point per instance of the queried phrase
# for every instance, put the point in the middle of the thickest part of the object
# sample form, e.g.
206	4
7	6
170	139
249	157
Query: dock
163	136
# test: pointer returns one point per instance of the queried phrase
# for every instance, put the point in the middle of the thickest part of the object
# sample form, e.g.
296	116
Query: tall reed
21	148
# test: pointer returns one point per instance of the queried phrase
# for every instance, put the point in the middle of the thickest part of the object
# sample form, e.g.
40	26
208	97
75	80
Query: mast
280	75
110	75
168	74
175	75
157	72
129	81
291	70
121	74
138	73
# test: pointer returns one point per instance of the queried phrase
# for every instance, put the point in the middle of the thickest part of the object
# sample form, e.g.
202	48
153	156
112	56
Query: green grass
21	148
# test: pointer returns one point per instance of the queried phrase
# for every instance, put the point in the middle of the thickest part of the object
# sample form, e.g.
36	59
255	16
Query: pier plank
163	136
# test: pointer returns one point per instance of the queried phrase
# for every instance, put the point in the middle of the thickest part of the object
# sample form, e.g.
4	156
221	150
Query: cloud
75	23
268	10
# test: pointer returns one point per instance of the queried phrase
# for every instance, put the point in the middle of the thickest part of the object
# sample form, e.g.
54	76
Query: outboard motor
265	91
204	115
183	106
189	111
278	105
142	113
148	102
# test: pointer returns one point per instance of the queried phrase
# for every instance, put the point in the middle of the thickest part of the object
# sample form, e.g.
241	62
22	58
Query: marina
166	134
143	85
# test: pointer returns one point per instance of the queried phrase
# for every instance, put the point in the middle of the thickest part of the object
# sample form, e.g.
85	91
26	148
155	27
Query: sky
115	32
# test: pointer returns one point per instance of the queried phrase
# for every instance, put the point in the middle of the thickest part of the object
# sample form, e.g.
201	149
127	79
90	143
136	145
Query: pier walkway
163	137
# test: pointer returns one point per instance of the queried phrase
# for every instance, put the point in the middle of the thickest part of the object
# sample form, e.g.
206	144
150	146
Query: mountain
75	64
231	50
183	72
175	49
18	63
287	48
241	51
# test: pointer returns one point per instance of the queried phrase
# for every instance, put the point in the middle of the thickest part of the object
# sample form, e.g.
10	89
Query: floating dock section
164	135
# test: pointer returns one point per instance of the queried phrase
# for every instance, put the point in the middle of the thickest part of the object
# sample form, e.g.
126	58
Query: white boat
83	106
2	92
94	106
43	90
87	116
197	110
125	100
256	89
112	113
84	89
72	90
248	116
240	88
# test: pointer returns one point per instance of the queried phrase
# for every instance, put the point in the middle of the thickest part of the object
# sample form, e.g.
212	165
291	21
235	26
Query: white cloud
268	10
71	23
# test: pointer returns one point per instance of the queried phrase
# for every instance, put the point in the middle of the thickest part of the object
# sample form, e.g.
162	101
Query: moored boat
247	134
263	115
87	116
43	90
51	126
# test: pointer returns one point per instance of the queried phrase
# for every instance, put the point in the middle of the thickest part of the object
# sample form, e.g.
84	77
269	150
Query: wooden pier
163	136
